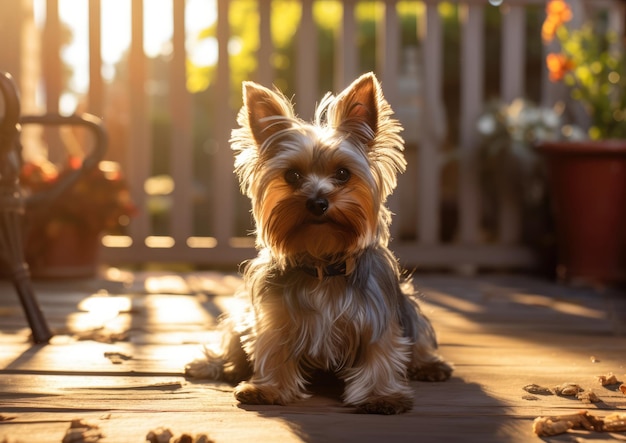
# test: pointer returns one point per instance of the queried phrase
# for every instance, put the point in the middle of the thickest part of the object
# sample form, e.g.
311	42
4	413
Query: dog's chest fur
325	321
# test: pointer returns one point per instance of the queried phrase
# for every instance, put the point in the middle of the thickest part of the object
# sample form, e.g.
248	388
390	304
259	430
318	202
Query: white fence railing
205	219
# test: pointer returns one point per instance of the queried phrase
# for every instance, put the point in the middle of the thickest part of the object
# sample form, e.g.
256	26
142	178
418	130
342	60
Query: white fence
413	81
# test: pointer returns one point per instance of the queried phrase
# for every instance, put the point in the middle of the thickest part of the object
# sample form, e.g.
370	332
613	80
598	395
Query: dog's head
318	189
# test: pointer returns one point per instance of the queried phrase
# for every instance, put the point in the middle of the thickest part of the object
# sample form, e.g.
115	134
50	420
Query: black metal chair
12	202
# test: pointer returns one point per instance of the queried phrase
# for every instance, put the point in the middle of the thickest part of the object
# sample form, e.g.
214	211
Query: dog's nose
317	206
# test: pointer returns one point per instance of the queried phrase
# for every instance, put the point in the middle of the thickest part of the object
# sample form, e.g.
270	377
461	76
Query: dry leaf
567	389
608	379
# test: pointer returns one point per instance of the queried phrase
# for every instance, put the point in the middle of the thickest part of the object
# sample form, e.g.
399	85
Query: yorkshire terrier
326	292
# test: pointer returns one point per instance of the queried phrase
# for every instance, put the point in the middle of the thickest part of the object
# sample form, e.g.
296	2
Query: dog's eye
293	177
342	175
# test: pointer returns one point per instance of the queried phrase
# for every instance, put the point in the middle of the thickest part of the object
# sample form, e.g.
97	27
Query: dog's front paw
436	371
253	394
385	405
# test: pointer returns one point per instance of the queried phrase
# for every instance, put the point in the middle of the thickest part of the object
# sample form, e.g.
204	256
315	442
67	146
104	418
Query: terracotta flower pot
67	253
588	186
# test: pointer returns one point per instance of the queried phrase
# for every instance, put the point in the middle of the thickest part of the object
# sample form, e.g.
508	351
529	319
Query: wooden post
223	178
472	78
11	31
181	144
512	68
96	86
139	153
428	219
265	71
307	63
346	57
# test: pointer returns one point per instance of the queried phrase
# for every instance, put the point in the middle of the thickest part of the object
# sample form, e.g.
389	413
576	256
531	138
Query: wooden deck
123	341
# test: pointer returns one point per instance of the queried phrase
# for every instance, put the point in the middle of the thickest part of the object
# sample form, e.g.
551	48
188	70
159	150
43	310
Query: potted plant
63	237
588	178
512	173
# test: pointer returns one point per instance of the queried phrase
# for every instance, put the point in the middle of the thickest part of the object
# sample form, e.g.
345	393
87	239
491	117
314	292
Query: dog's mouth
317	221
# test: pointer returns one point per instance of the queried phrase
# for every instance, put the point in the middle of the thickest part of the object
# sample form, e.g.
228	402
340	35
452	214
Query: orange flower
548	30
558	65
558	12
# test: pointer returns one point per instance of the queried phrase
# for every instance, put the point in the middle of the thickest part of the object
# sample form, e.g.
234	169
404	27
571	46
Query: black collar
331	270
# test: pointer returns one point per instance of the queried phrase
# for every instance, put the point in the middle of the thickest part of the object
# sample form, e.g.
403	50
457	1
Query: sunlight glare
158	27
102	311
115	30
175	310
75	15
199	15
116	37
166	284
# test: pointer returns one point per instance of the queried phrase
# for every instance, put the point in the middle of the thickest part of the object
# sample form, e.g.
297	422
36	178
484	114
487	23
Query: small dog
326	292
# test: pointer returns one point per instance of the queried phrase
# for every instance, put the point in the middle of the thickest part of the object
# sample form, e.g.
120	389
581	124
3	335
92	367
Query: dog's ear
356	109
267	112
361	112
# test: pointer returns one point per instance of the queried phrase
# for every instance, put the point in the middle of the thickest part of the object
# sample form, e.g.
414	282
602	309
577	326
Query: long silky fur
366	327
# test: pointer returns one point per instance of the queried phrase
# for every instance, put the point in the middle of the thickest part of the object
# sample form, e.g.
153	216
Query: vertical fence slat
11	20
96	86
387	64
181	146
264	74
346	56
52	78
223	180
513	60
513	53
29	59
306	63
139	152
387	59
431	35
472	67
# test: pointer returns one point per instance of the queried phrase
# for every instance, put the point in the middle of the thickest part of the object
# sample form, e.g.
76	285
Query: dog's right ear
268	112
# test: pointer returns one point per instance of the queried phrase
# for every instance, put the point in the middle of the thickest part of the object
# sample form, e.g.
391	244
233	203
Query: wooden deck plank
502	333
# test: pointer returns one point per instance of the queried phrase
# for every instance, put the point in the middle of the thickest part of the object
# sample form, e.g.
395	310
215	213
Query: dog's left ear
356	109
267	112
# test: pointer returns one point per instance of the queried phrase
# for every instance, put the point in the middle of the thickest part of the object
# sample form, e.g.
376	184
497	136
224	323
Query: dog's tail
229	363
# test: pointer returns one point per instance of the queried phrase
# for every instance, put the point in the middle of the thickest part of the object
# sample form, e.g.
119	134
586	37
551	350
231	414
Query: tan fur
318	192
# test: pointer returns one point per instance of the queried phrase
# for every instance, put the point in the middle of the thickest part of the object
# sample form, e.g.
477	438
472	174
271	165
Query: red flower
558	65
558	12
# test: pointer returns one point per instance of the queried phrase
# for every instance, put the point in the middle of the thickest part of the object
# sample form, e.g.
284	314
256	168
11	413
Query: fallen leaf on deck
159	435
81	431
536	389
164	435
559	424
615	422
608	379
567	389
588	397
117	358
